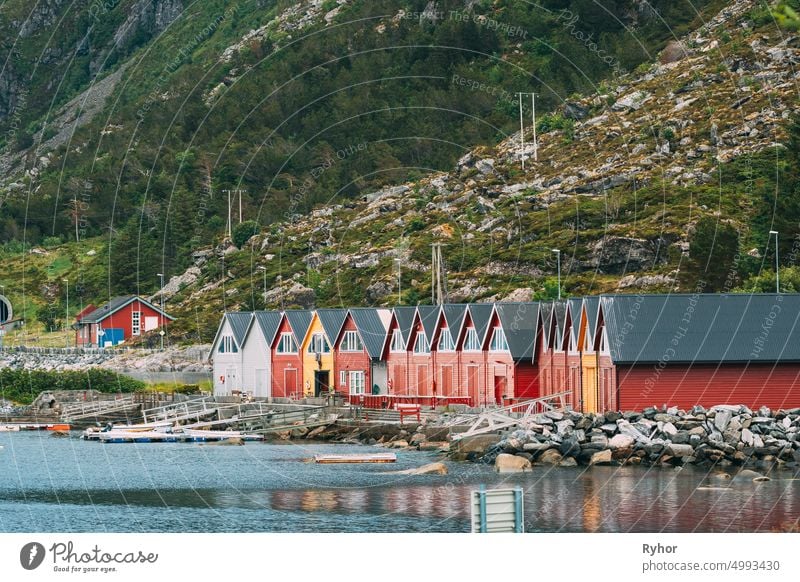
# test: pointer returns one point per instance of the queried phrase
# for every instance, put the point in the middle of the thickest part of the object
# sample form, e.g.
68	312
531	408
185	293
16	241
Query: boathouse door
499	389
290	382
321	382
472	385
230	380
262	387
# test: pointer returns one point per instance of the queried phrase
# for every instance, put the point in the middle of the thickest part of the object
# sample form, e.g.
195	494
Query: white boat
9	428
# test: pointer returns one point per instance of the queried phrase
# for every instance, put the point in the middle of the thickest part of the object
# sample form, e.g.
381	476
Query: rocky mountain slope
666	177
622	180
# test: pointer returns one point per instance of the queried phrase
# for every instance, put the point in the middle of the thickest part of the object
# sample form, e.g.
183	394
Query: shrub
23	386
244	231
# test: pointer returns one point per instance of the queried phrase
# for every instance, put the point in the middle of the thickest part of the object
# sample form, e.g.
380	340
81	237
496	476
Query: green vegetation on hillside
23	386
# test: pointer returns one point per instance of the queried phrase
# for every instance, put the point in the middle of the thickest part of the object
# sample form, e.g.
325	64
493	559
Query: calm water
52	484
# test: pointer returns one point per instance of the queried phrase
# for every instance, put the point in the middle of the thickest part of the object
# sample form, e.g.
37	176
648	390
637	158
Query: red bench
408	410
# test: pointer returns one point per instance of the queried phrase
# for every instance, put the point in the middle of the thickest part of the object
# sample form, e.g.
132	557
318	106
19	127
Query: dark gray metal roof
454	317
269	322
332	321
405	319
370	328
574	304
481	314
592	304
114	305
546	316
299	321
239	322
520	322
702	328
560	322
429	316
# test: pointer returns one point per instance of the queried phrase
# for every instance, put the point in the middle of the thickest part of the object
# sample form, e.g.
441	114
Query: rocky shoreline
721	436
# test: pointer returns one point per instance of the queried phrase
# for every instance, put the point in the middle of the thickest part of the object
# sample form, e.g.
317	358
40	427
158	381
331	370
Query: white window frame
503	345
357	382
227	345
282	344
342	378
318	340
425	348
351	342
471	337
449	345
397	342
136	323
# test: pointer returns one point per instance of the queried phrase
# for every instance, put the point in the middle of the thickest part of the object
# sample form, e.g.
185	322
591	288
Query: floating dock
365	458
13	427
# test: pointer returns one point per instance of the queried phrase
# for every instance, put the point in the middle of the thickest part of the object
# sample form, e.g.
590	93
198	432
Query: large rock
621	441
721	419
505	463
550	457
475	444
601	458
748	475
677	450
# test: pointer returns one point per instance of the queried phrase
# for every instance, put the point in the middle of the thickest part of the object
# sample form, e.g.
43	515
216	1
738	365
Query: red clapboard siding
526	381
684	386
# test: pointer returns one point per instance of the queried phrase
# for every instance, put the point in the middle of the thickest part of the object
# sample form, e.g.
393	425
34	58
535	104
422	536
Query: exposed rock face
616	254
297	295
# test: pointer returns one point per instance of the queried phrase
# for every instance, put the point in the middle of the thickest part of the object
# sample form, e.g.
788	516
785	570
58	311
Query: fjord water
69	485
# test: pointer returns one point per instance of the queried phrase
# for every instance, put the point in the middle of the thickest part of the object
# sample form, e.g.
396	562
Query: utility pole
558	258
777	268
264	270
399	281
521	133
522	129
161	315
438	275
66	314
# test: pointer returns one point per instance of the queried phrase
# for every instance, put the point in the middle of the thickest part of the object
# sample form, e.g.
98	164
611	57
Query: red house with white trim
117	321
287	361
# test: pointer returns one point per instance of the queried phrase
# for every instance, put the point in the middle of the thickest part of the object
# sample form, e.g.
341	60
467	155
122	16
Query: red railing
387	401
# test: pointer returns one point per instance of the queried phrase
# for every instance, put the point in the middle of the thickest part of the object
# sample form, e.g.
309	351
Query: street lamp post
161	316
777	268
263	269
558	258
66	315
399	281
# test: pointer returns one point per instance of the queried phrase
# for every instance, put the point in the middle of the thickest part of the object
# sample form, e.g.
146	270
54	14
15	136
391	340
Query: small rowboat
9	428
58	427
367	458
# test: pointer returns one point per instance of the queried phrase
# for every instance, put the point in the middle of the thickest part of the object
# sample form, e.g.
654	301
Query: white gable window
318	344
351	342
227	345
446	343
136	322
471	342
286	344
421	346
498	343
397	342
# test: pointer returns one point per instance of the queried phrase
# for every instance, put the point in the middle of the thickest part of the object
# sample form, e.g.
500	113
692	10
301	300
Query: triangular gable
428	316
575	309
454	316
238	324
332	321
402	319
520	323
268	322
370	328
299	321
481	314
